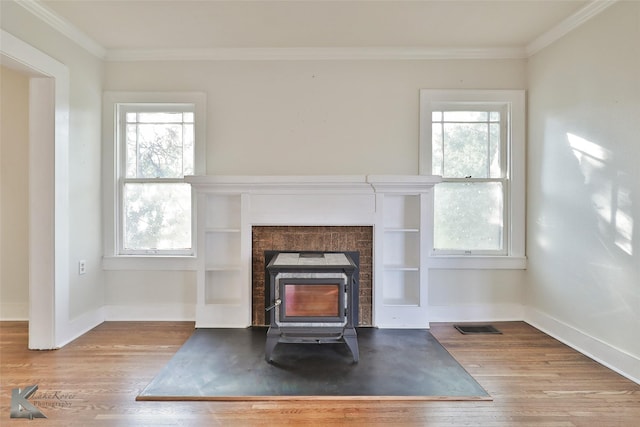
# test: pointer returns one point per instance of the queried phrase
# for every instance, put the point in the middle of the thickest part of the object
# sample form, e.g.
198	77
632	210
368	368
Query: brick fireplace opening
312	238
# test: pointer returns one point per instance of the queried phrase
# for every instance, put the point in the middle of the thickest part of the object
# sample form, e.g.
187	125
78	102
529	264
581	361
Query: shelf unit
401	294
401	223
222	291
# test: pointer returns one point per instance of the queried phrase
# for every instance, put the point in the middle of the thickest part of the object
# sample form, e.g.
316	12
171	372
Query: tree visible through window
157	151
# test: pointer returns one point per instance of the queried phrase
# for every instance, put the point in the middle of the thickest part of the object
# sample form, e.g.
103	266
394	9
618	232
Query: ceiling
212	24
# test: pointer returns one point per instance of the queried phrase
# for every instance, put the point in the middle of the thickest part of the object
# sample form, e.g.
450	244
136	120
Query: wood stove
313	298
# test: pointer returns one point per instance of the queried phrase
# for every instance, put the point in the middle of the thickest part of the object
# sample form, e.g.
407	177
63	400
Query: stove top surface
307	259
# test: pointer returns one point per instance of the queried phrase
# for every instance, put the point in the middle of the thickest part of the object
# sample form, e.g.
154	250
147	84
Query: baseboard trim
80	326
151	313
476	313
613	358
14	312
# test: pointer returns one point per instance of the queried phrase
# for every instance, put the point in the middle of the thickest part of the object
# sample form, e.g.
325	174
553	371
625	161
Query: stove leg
273	336
351	339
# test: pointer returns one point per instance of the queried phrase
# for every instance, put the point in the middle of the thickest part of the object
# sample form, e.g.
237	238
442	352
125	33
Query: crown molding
37	8
60	24
566	26
313	53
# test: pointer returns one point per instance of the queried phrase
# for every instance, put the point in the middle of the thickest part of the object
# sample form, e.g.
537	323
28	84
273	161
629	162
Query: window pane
436	149
132	151
188	155
159	150
468	216
494	151
157	216
160	117
466	150
465	116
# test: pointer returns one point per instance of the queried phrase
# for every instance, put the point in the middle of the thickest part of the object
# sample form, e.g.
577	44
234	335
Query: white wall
584	188
313	117
316	117
14	195
476	295
85	293
150	295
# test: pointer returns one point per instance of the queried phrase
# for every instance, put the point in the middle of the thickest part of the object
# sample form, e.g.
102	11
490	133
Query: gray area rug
395	364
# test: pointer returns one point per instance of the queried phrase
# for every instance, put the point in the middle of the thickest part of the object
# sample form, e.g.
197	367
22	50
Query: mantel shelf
221	230
325	184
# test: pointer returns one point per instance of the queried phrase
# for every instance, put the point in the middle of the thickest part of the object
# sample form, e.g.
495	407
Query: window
475	141
467	149
156	147
156	140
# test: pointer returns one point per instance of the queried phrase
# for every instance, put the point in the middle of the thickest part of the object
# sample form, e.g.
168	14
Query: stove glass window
312	300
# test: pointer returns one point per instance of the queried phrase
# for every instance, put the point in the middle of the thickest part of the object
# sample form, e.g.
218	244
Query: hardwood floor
534	381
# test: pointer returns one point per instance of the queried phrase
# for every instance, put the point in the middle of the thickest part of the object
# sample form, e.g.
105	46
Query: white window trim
515	258
111	259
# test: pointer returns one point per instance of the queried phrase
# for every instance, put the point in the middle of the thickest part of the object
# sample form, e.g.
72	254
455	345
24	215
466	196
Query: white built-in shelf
402	267
224	301
399	303
221	230
228	267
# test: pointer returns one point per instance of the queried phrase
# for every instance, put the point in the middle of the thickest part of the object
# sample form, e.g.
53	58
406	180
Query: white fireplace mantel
327	184
398	207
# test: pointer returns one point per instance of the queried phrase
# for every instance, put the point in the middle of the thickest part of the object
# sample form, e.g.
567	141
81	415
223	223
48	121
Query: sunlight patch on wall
610	197
623	220
591	157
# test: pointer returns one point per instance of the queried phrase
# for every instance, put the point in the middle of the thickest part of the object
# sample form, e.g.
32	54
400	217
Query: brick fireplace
312	238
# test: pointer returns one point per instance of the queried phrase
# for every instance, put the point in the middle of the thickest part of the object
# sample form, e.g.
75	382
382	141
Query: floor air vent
477	329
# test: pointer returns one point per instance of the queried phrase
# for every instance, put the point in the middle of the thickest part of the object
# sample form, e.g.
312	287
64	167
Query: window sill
472	262
141	262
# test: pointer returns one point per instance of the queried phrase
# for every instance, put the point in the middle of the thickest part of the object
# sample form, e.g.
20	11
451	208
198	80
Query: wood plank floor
534	381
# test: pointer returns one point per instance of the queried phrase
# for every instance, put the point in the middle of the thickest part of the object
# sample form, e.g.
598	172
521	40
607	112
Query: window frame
503	179
114	168
513	101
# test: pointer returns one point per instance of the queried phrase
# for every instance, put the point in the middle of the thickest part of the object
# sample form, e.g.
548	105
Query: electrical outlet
82	266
